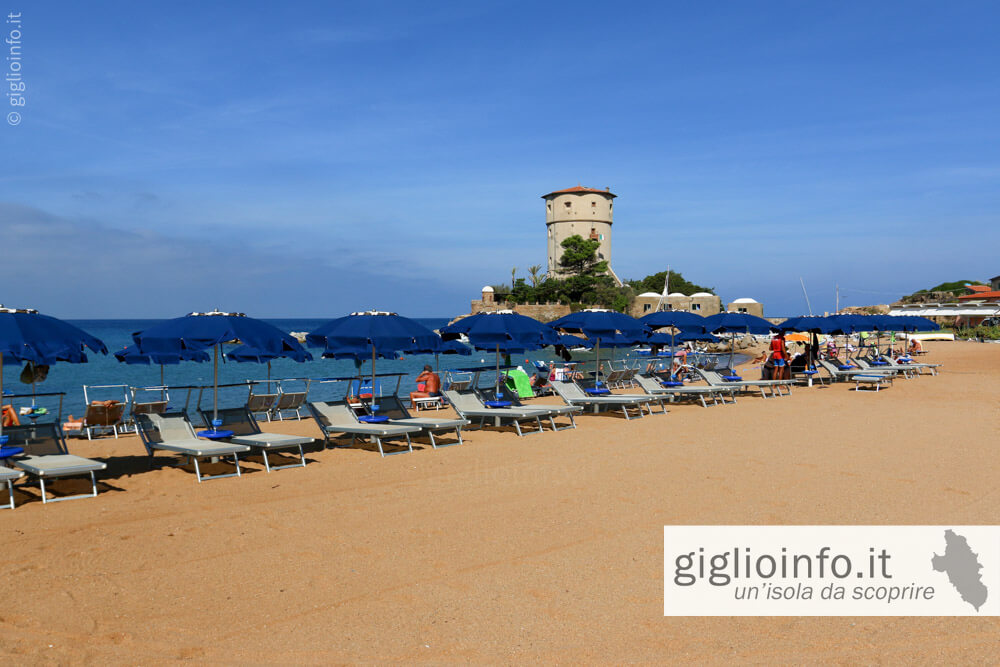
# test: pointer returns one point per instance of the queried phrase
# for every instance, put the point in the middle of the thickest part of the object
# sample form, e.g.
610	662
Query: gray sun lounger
918	366
46	457
551	411
173	432
393	408
468	406
845	375
246	431
9	475
653	386
714	379
570	392
337	417
883	368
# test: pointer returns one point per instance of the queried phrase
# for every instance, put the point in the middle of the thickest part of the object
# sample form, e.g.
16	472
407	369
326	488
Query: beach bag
32	373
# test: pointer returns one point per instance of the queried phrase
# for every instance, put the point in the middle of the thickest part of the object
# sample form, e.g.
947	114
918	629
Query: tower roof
579	189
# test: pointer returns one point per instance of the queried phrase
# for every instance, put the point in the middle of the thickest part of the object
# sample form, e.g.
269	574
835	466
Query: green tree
580	257
534	271
654	283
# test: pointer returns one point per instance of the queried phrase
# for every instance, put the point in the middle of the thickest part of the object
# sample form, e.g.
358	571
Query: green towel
518	381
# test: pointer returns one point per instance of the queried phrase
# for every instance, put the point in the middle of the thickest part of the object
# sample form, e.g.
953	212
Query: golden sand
542	548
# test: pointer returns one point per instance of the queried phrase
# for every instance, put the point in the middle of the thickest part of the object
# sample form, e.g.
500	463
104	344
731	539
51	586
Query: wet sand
542	548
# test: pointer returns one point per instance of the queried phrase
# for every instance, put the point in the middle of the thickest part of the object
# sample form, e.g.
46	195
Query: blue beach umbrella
502	330
200	331
734	323
28	336
247	354
676	319
131	355
598	324
372	334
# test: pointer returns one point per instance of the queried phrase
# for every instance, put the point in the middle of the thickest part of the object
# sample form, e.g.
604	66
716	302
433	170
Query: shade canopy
132	355
599	324
738	323
200	331
27	335
246	353
509	331
679	319
364	334
813	324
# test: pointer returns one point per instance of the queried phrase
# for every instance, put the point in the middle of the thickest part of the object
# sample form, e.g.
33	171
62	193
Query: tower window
593	204
695	306
568	204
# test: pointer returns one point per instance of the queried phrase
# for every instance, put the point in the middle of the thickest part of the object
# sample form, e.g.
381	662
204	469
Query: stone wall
544	312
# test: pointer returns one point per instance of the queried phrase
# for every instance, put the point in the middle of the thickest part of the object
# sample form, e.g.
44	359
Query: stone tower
584	211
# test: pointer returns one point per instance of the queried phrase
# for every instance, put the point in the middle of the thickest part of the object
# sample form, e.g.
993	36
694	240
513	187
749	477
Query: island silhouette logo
962	566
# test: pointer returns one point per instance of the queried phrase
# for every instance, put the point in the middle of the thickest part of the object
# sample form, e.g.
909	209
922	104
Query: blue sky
312	158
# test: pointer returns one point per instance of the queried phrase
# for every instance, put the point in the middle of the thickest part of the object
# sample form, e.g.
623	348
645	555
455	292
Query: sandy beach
545	548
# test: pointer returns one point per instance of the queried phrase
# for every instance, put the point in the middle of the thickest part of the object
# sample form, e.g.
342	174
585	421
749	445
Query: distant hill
955	287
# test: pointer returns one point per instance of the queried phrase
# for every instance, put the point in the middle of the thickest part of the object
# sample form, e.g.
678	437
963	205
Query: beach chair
655	387
907	362
393	408
488	395
572	394
104	416
262	402
155	402
839	374
46	457
714	379
9	475
884	368
247	432
871	380
173	432
337	417
468	406
290	401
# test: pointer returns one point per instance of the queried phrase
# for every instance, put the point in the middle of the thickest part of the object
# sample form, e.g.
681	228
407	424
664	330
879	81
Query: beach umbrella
679	320
502	330
450	347
598	324
201	331
246	353
734	323
371	334
28	336
131	355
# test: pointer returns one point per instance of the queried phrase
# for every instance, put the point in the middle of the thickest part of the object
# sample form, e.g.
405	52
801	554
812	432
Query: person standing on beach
779	353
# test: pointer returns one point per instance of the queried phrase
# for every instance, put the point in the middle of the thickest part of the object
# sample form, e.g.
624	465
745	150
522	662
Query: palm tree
534	272
513	277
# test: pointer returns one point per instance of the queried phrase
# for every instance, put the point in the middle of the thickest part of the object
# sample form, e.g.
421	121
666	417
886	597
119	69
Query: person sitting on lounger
428	385
915	346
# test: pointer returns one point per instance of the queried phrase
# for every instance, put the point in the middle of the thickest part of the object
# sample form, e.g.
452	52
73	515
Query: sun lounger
247	432
262	403
551	411
46	457
290	401
918	367
714	379
393	408
468	406
172	432
873	381
652	385
846	374
9	475
337	417
883	368
573	394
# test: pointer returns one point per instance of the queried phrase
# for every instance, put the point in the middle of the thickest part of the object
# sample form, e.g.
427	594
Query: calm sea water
116	334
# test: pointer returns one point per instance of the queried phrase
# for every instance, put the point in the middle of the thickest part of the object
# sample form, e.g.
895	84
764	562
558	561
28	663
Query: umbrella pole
597	374
373	378
670	375
215	384
496	390
1	394
161	381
